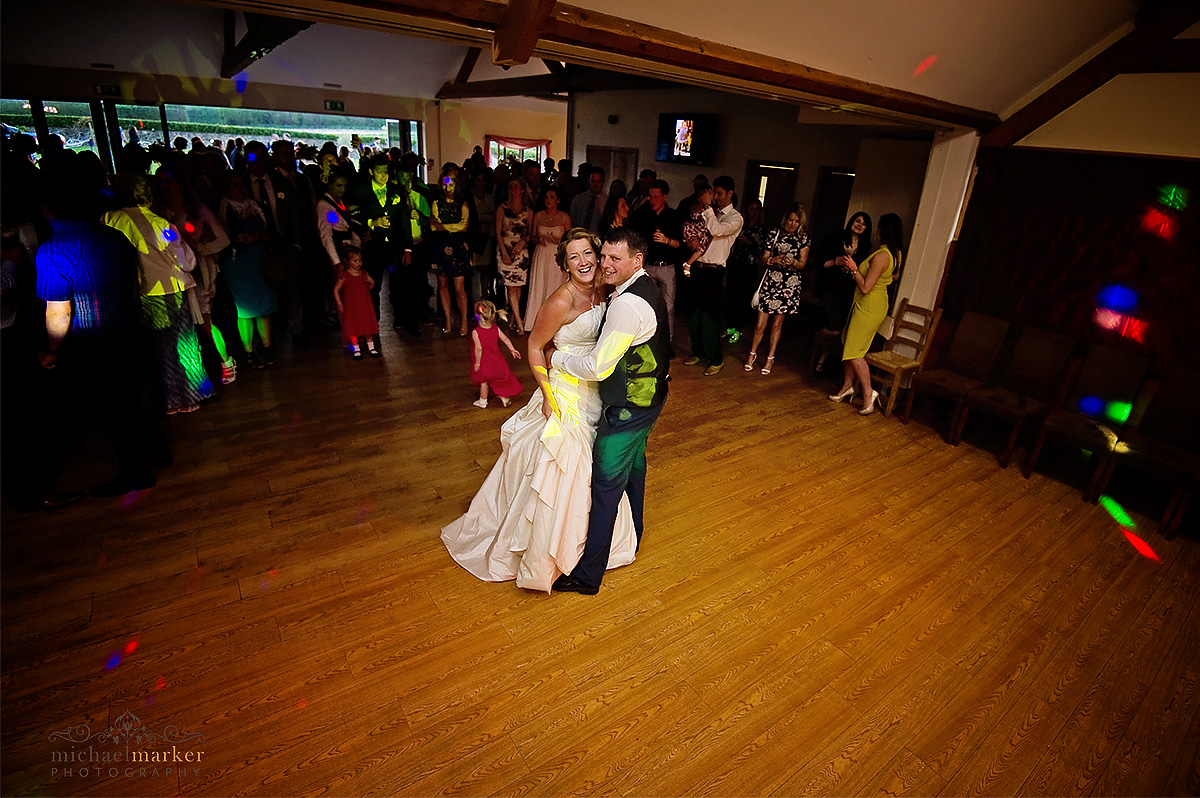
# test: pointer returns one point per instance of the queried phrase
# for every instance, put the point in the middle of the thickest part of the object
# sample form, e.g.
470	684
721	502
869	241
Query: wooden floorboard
823	604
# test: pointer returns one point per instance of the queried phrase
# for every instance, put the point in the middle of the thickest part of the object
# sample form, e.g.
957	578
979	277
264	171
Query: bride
529	519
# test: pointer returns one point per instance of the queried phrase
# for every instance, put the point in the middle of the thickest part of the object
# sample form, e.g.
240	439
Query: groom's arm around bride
631	361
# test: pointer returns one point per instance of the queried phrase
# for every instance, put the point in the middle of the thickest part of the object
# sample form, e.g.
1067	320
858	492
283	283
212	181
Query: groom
630	361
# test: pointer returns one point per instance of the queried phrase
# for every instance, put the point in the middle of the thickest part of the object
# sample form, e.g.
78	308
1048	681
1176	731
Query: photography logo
126	749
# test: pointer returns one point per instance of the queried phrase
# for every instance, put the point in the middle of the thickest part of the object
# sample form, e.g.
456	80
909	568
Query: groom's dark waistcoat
640	378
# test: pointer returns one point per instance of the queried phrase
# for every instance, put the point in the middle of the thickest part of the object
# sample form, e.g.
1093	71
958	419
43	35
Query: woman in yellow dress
870	308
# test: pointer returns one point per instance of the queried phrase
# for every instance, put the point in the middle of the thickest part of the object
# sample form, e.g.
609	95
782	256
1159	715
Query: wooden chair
1033	381
1097	409
914	328
969	365
1165	443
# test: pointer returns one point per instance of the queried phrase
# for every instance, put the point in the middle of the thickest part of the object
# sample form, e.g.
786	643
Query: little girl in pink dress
488	366
352	293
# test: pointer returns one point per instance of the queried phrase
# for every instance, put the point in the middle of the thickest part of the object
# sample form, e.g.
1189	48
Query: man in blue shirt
88	275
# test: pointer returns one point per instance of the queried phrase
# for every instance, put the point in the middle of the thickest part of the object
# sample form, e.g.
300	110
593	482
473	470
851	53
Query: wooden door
773	184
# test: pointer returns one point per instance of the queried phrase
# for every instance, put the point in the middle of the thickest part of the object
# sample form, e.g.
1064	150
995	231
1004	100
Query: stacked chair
1028	388
1094	416
914	328
969	365
1165	443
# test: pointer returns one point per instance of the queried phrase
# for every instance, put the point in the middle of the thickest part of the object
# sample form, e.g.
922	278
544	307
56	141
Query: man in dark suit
382	207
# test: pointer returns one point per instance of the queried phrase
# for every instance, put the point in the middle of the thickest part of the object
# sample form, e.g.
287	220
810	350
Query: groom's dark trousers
618	466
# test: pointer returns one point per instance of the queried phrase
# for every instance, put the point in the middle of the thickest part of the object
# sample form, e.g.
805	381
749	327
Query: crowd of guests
192	262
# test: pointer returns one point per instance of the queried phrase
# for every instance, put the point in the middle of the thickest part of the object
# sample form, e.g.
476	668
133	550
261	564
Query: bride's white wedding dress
529	519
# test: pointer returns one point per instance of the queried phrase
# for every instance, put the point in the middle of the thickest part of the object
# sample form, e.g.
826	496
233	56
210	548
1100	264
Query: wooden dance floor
824	605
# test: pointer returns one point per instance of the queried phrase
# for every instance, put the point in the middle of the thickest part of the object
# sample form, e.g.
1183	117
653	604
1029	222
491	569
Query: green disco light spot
1173	196
1118	411
1117	512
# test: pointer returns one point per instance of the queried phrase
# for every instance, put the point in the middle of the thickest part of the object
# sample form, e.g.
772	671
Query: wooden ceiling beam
583	81
1177	55
607	33
475	21
263	34
1156	29
519	31
468	64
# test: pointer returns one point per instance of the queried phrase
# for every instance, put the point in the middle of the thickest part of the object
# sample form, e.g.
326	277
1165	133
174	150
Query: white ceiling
991	55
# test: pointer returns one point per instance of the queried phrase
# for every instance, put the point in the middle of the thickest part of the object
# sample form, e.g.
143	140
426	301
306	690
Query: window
513	151
71	120
144	120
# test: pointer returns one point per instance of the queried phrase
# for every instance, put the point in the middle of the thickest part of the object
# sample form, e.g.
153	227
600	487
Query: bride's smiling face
581	262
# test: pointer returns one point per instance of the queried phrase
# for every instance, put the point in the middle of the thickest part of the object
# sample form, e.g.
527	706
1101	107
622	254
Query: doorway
618	163
832	201
772	183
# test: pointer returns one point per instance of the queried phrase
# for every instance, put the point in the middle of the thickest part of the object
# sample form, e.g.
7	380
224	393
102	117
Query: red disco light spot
1142	546
160	684
131	647
1135	330
191	228
1160	224
926	64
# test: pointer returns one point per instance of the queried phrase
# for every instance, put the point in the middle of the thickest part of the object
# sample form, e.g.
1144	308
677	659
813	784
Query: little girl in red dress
352	293
488	366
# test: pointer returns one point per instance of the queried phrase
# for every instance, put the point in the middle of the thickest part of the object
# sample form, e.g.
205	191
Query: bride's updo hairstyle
574	234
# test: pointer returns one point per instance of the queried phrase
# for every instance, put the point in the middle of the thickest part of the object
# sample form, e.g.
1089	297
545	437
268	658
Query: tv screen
687	139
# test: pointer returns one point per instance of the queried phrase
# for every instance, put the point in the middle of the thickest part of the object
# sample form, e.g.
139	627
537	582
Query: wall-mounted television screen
687	138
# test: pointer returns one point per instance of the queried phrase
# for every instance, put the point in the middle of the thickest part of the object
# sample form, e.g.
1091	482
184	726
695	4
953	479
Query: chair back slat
1037	364
976	345
914	329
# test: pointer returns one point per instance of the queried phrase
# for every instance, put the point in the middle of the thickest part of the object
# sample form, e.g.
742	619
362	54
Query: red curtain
516	144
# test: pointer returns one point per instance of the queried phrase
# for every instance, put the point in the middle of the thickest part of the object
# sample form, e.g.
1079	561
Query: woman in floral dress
784	255
513	227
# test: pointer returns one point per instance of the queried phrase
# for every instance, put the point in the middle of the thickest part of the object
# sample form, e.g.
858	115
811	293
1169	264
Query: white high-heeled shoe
843	396
869	407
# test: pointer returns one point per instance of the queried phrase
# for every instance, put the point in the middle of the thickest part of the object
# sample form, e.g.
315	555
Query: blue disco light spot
170	235
332	217
1118	298
240	80
113	661
1091	405
250	157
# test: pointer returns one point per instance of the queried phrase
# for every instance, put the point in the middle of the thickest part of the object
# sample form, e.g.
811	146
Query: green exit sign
335	105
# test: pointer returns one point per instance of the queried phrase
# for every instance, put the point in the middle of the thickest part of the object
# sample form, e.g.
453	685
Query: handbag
754	298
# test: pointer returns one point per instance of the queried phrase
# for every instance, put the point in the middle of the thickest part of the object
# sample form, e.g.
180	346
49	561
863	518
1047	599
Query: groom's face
617	264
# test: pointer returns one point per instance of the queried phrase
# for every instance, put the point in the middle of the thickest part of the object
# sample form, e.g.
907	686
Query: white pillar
947	177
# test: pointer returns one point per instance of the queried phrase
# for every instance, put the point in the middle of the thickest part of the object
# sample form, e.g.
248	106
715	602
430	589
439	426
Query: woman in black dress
835	286
448	221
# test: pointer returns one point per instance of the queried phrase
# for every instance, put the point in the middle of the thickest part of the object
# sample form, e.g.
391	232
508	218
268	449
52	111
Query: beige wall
888	178
1136	114
748	128
463	125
